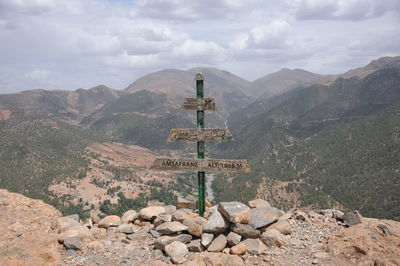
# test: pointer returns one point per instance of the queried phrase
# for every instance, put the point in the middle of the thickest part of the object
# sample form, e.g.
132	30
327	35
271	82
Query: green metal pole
201	176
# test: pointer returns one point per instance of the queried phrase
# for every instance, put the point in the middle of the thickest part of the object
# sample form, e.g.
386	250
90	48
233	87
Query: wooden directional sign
206	134
206	165
199	104
200	134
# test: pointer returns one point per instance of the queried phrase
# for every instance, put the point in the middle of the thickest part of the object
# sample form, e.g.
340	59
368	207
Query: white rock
150	213
129	216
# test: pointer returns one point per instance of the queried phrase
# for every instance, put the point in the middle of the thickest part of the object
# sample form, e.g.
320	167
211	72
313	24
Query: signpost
201	134
201	104
201	165
207	134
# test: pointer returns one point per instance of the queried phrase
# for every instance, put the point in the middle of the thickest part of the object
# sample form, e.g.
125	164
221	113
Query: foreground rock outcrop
27	231
33	233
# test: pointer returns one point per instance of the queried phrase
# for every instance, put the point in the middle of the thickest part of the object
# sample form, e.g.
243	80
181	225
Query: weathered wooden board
199	104
205	134
201	165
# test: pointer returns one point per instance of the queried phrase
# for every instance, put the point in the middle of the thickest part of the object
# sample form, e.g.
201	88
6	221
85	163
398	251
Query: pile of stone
229	227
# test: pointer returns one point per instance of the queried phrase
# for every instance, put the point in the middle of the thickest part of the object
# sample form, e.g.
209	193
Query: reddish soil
106	160
5	114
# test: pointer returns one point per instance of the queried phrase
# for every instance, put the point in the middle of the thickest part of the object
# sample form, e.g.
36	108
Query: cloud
270	42
89	42
189	10
28	6
198	51
38	74
342	9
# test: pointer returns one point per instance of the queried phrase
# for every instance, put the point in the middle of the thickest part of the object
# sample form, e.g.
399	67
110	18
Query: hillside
143	118
282	81
229	91
324	145
309	146
362	72
69	106
35	152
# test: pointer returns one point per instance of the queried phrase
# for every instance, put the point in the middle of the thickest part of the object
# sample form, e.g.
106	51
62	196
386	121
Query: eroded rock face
373	242
26	223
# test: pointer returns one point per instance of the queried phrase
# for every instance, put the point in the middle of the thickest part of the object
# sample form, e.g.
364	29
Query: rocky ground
233	234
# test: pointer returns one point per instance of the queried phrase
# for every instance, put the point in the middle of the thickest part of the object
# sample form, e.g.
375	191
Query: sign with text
199	104
206	165
206	134
200	135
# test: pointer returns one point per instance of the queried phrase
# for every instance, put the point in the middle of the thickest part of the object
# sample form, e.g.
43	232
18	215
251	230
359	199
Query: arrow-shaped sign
206	165
199	104
206	134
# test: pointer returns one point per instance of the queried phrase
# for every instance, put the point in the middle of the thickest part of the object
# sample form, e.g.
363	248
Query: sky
71	44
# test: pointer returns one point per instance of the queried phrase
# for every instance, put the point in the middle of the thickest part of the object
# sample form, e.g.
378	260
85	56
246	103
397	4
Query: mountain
381	63
282	81
143	118
70	106
229	91
323	145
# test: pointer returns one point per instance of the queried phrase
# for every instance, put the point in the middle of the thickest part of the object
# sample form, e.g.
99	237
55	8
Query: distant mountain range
324	145
312	139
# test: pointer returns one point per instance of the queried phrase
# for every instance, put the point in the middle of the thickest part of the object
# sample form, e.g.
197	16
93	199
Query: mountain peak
282	81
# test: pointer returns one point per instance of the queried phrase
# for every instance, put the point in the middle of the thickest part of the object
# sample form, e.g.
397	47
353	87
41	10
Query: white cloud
28	6
189	10
38	74
342	9
85	43
202	52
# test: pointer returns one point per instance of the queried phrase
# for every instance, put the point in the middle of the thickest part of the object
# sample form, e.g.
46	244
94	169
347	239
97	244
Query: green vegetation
340	143
36	152
124	204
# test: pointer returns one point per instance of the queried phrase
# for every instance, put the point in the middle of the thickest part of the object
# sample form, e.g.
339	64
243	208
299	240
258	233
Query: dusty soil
114	165
26	234
5	114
